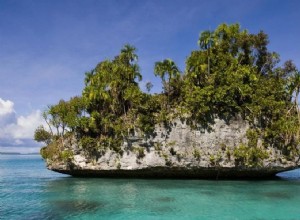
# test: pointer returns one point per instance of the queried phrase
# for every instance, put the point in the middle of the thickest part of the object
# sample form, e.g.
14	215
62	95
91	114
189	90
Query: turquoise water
29	191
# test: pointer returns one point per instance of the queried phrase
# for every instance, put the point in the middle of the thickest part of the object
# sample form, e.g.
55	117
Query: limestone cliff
177	151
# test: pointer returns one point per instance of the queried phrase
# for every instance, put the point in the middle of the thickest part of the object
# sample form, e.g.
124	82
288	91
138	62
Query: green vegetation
249	156
197	154
41	135
66	155
140	152
232	73
52	151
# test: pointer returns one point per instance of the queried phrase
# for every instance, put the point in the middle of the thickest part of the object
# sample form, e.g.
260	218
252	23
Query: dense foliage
232	73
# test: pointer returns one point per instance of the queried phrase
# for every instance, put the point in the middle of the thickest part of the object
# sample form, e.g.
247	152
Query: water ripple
29	192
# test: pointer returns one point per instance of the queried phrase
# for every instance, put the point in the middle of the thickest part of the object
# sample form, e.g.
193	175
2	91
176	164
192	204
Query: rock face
177	152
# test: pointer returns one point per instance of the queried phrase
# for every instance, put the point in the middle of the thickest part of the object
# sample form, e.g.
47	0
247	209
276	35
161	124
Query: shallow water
29	191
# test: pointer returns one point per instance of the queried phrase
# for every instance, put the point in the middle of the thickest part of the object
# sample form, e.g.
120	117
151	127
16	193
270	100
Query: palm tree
295	88
206	42
166	68
129	51
130	58
88	77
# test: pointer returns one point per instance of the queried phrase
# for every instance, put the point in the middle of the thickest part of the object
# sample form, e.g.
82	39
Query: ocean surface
29	191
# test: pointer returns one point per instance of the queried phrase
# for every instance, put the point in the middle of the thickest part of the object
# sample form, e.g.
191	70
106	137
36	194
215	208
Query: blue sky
46	46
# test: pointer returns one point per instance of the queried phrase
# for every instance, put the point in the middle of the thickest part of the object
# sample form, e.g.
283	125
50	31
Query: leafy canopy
232	73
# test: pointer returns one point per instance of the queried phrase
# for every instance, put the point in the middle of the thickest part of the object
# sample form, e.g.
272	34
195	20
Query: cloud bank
16	132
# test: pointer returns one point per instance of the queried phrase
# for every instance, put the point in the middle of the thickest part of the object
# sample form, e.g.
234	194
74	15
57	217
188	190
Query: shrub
66	155
88	142
197	154
252	136
41	135
212	159
249	156
43	152
157	146
171	144
52	151
228	154
215	159
140	153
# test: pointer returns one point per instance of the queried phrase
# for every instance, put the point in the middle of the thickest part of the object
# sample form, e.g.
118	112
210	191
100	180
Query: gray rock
178	152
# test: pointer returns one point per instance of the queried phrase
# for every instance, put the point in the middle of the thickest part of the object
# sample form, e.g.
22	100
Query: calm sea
29	191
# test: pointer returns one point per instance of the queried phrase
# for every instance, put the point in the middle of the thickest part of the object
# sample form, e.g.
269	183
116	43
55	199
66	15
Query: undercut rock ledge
176	152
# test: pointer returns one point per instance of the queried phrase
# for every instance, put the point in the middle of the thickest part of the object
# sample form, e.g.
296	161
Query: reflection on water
162	210
74	206
165	199
112	198
278	195
29	191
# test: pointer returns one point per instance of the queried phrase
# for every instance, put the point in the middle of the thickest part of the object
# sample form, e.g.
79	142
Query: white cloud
6	107
17	131
25	126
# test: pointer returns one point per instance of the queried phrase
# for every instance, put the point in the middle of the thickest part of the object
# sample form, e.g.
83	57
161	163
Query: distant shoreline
16	153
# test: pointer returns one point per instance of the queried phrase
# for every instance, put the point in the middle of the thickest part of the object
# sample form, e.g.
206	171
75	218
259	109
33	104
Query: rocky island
232	113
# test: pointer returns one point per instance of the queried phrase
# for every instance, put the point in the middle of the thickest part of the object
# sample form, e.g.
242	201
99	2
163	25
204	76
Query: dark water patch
162	210
277	195
124	206
165	199
208	193
77	206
